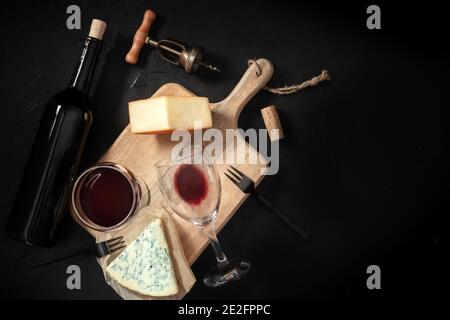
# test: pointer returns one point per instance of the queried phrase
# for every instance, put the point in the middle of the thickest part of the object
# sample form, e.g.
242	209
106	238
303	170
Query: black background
361	164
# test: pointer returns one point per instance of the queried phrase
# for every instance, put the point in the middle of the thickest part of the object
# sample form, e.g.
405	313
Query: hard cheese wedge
166	114
145	265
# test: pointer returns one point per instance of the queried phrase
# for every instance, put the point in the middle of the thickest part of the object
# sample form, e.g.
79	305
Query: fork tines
235	175
240	173
240	180
115	244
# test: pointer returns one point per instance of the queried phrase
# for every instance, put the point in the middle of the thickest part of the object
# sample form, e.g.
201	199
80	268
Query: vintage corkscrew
190	59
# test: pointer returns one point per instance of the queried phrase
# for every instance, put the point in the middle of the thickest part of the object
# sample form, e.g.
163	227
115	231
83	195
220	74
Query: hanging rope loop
323	76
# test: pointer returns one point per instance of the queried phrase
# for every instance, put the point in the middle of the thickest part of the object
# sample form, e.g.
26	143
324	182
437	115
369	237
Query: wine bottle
45	187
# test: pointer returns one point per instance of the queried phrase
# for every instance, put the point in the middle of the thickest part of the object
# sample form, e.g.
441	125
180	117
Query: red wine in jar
106	197
190	184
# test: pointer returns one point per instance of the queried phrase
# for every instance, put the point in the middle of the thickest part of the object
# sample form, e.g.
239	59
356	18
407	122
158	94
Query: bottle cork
97	30
272	121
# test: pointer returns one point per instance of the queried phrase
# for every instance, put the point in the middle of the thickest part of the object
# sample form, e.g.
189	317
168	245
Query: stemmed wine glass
190	184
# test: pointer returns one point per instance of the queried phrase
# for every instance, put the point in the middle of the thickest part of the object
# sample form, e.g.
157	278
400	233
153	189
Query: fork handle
297	229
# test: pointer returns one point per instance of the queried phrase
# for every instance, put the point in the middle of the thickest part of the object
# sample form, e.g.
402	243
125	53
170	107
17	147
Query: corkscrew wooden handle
140	37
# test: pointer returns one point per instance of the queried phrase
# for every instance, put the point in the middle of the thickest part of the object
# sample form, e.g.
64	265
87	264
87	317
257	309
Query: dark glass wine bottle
48	178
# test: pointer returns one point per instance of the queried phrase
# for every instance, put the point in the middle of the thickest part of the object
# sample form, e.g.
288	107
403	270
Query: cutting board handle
253	80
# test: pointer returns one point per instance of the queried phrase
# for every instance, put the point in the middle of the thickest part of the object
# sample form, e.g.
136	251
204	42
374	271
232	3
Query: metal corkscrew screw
190	59
176	53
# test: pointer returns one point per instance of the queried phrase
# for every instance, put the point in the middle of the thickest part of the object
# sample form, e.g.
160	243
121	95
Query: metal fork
100	249
248	186
107	247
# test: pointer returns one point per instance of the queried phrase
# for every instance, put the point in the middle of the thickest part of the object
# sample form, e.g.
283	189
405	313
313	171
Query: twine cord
323	76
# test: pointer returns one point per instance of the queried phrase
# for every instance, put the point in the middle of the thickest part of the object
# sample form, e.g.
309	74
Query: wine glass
190	184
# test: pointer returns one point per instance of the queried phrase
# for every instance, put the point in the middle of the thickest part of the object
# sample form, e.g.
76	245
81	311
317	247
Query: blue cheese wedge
145	265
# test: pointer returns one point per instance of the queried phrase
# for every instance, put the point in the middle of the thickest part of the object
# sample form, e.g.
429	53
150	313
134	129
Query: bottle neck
81	79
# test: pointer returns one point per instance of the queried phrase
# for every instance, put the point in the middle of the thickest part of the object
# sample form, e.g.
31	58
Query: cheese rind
166	114
145	265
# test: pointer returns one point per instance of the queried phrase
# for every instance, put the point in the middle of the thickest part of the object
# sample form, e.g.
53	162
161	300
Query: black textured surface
361	164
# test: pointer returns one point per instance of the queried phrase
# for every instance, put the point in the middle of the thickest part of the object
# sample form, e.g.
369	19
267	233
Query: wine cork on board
97	30
272	121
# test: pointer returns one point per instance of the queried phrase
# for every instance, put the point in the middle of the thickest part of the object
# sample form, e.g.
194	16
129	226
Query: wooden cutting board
139	152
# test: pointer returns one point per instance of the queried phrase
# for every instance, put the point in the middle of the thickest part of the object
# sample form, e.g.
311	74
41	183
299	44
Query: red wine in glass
191	184
106	196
